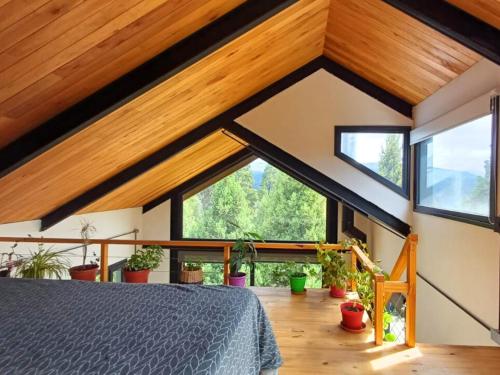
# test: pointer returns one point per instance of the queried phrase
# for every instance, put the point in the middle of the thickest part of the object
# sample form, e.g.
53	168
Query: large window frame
403	190
177	214
479	220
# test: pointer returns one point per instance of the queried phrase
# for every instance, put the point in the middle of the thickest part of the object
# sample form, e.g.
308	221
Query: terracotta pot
337	292
136	276
239	280
191	277
352	319
85	272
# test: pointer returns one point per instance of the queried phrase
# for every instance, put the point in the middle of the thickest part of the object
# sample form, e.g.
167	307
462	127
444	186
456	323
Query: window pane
276	275
258	198
380	152
454	172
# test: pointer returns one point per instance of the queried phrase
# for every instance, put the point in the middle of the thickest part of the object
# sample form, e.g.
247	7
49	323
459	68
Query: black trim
367	87
175	234
404	191
482	221
332	220
133	84
455	23
348	226
126	175
495	136
201	178
315	179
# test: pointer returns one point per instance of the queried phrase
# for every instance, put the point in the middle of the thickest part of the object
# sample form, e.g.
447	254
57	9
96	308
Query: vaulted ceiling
55	53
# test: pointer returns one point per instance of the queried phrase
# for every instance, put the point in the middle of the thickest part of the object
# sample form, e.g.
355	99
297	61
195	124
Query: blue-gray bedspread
75	327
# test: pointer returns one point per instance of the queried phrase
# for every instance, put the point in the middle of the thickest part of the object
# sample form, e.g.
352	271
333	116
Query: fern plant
42	264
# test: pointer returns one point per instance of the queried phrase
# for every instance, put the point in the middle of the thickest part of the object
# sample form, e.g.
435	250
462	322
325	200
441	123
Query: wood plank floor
311	342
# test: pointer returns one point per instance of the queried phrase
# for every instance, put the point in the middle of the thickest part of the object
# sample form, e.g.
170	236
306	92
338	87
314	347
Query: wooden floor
311	342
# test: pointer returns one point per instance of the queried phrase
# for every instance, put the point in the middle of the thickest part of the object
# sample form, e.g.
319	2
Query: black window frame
404	190
177	218
478	220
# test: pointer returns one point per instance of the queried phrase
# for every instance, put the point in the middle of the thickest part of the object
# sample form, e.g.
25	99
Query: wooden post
411	297
379	309
354	268
227	259
104	262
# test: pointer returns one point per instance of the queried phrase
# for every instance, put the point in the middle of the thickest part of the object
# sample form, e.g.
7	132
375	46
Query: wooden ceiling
393	50
170	174
486	10
246	65
54	53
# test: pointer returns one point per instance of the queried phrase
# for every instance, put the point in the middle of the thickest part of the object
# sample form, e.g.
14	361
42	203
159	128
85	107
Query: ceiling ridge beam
201	178
315	179
133	84
455	23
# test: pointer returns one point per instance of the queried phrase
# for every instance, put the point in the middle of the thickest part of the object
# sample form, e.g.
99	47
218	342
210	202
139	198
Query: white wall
108	224
156	226
301	121
462	259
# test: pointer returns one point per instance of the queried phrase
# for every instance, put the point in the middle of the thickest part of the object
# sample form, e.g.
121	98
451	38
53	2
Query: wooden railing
383	288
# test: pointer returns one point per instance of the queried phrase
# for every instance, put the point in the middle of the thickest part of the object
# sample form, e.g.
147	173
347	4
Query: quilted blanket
74	327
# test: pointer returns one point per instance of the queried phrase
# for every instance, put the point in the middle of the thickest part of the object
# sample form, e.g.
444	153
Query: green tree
478	199
390	165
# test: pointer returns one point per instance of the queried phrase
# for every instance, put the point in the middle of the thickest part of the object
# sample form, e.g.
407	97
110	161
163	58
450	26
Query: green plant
244	251
147	258
193	265
335	270
388	336
43	263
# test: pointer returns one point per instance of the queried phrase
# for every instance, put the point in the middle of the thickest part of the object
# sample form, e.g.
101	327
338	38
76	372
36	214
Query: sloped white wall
108	224
301	121
156	226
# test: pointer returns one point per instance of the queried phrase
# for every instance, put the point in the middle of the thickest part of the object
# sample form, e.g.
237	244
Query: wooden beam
227	265
411	296
379	309
202	178
454	23
104	262
133	84
315	179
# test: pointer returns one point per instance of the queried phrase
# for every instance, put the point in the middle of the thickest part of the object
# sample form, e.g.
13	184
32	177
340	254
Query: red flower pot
352	319
239	280
85	272
337	292
136	276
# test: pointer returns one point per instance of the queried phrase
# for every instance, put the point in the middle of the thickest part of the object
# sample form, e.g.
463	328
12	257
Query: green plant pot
297	283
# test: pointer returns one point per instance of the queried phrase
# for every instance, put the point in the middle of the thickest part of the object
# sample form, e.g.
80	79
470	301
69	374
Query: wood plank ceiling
393	50
486	10
258	58
55	53
170	174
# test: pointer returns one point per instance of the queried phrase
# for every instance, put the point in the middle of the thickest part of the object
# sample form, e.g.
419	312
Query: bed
75	327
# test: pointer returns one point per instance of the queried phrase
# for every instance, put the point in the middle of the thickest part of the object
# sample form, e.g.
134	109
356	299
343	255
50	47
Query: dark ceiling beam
211	173
223	120
454	23
133	84
315	179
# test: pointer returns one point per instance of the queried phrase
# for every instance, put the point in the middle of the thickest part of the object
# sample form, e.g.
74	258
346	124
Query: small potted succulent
140	264
243	252
86	271
335	272
298	274
352	316
191	273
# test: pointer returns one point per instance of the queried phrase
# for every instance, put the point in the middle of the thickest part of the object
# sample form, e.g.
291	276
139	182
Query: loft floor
311	342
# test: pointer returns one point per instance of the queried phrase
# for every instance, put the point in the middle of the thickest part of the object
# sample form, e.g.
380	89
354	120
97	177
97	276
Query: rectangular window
453	172
382	152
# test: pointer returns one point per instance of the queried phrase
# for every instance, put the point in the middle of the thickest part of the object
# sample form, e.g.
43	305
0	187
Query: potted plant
85	271
140	264
191	273
297	274
244	252
335	272
352	316
42	264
